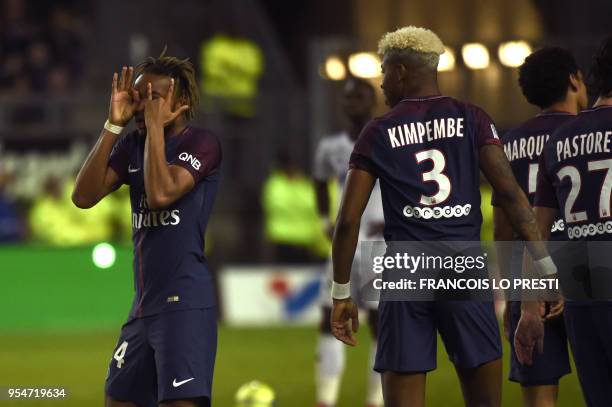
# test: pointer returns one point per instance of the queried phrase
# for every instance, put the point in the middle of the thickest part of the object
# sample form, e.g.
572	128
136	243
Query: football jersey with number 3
425	152
575	174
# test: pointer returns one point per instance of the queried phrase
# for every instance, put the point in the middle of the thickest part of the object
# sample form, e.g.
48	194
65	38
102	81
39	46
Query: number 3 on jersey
435	175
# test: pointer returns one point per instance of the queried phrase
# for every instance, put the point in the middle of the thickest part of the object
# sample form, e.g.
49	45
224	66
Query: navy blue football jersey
575	174
425	152
170	269
523	146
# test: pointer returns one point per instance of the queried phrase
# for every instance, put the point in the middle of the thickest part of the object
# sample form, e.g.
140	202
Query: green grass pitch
60	319
281	357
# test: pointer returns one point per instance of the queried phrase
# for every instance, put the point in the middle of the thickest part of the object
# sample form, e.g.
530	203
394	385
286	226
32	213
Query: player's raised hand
529	335
345	321
160	110
124	98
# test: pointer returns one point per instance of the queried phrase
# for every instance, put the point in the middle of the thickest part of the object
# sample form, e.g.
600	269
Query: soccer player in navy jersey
551	80
166	351
575	180
427	153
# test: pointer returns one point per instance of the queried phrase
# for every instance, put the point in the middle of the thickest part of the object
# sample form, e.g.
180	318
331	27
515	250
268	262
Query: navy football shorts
407	334
548	367
589	330
168	356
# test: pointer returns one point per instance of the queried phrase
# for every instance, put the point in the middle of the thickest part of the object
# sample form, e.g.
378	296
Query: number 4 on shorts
120	354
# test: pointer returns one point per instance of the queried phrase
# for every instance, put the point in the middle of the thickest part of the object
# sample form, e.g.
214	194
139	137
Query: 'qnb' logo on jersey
195	163
146	218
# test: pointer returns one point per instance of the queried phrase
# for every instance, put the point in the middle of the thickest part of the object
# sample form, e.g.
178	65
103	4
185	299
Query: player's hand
555	308
529	335
124	98
553	303
345	321
159	111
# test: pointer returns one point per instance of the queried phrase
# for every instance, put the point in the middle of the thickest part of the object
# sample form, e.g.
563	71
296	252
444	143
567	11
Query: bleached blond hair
413	42
412	38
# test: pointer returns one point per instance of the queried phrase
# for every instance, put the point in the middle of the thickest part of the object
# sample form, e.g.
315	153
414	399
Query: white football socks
374	396
329	367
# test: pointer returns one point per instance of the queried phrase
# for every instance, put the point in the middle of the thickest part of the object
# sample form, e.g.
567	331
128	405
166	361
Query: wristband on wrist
108	126
340	291
545	266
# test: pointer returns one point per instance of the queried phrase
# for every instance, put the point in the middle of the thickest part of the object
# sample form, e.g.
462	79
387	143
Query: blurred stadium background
271	77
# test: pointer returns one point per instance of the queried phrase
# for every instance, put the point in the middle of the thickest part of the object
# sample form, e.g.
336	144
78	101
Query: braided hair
183	73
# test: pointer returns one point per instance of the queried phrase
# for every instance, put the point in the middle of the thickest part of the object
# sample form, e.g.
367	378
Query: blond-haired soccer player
427	152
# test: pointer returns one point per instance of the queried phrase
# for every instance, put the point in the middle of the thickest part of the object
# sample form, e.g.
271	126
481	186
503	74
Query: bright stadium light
103	255
447	60
364	65
475	55
334	68
513	53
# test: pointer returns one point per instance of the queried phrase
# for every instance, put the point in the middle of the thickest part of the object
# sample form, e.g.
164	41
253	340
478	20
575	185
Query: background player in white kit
331	161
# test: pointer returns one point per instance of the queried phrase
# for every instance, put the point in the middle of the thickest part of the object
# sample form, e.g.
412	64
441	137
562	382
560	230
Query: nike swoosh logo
131	170
177	384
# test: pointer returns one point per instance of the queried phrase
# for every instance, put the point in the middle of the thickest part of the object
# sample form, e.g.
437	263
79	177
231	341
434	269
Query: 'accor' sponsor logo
195	163
155	218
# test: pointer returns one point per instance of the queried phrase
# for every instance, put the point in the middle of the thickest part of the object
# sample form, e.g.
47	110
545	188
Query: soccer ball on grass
255	394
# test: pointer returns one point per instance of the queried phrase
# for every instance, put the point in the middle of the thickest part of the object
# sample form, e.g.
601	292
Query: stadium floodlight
334	68
364	65
475	55
103	255
513	53
447	60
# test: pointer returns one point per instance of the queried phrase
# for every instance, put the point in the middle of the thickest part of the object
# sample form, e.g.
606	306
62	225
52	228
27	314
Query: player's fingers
339	330
542	309
182	109
523	353
335	331
114	86
527	355
170	90
348	337
349	340
555	311
178	112
518	350
122	79
135	96
519	354
130	76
